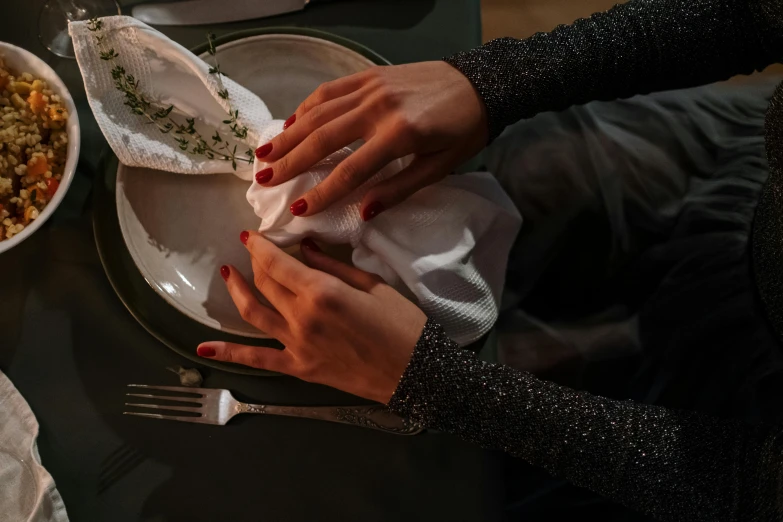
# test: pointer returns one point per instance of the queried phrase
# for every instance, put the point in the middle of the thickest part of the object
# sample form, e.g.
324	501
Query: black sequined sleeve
672	465
638	47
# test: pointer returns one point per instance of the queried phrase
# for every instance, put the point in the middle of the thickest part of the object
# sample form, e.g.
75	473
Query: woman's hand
341	327
427	109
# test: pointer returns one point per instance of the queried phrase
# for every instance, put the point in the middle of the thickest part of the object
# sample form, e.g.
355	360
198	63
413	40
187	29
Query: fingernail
309	244
290	121
299	207
263	176
206	351
263	151
372	210
244	236
225	272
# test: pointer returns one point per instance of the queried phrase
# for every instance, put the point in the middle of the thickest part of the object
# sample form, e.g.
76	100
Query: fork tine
182	389
196	409
200	420
172	398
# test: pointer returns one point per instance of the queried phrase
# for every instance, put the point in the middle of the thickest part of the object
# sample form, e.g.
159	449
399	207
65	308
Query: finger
423	171
280	297
319	116
283	268
349	175
257	357
262	317
358	279
331	90
319	144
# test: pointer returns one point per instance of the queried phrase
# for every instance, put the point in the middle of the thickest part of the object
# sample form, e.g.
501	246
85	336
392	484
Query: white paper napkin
447	246
27	490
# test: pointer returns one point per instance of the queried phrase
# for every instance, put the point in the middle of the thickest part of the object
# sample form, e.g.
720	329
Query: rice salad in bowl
37	126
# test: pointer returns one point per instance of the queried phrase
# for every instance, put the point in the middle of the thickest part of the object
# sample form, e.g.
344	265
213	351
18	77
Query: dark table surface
70	347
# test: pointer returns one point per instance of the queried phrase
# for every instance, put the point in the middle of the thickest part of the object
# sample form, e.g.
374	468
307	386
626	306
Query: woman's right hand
426	109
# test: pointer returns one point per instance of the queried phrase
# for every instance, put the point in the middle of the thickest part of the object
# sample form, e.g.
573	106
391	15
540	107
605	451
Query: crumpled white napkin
448	245
27	490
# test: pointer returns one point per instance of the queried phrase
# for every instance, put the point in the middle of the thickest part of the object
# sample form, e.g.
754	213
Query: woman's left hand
341	327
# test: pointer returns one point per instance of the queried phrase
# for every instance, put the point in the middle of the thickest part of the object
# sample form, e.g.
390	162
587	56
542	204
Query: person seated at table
680	180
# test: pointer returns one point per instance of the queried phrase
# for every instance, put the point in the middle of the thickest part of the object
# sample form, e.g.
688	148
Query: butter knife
201	12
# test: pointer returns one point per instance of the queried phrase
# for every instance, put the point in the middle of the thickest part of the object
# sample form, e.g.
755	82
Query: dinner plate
190	268
180	229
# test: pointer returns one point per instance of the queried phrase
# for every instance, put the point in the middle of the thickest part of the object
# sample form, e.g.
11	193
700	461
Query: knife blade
200	12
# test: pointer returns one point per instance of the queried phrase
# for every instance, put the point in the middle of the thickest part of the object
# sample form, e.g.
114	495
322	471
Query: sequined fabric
768	223
672	465
638	47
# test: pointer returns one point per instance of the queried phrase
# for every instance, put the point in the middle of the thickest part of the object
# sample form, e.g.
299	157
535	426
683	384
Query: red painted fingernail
290	121
263	176
299	207
244	236
263	151
310	245
225	272
372	210
206	351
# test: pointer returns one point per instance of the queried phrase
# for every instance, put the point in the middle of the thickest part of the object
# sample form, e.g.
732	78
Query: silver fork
215	406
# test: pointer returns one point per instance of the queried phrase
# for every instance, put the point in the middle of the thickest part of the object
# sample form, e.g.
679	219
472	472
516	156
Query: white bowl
21	61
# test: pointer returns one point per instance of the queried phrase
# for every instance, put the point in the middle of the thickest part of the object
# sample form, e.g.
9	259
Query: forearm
634	48
670	464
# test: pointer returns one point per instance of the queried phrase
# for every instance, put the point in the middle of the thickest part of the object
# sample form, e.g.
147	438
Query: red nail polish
309	244
244	236
372	210
206	351
263	176
263	151
225	272
299	207
290	121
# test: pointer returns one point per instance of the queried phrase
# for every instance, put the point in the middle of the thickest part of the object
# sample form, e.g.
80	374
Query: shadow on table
400	14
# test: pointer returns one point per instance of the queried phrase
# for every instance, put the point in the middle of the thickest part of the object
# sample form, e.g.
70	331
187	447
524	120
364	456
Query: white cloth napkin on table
27	490
447	246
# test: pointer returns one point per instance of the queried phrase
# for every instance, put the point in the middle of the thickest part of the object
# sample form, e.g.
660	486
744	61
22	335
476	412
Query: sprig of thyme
239	132
185	134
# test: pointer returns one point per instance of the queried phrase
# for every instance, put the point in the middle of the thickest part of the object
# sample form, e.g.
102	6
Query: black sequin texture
672	465
767	236
638	47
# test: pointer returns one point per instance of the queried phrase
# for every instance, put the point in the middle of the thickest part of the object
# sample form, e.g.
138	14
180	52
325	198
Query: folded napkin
447	246
27	491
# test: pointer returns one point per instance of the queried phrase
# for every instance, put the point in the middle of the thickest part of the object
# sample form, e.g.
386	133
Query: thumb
423	171
358	279
270	359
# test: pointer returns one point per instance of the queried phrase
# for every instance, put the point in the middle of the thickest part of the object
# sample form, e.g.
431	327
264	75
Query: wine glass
56	14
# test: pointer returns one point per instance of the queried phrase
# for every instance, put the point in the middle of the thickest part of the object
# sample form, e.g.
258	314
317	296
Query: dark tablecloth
69	345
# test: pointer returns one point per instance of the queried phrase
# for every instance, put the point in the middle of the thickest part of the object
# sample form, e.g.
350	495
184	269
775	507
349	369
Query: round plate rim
131	307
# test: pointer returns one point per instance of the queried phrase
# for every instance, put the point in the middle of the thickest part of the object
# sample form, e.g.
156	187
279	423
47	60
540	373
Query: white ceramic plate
21	61
180	229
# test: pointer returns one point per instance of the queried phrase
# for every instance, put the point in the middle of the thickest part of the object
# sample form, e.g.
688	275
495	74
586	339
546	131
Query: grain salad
33	148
